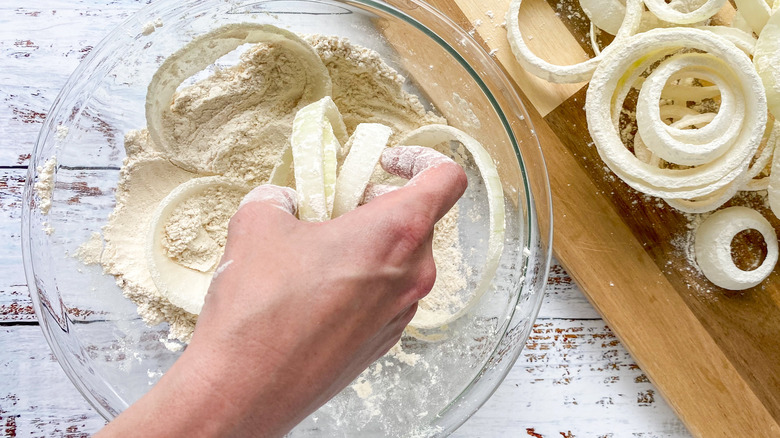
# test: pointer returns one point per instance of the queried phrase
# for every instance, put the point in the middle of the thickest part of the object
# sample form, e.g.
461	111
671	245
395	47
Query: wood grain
539	20
712	354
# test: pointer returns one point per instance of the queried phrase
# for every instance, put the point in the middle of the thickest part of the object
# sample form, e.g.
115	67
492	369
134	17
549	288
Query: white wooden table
574	379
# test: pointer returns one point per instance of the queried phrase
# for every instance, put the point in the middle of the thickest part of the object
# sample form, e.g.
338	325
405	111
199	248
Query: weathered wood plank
36	398
40	46
88	196
85	195
550	391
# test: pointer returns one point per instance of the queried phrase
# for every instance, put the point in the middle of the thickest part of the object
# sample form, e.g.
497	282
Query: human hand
298	310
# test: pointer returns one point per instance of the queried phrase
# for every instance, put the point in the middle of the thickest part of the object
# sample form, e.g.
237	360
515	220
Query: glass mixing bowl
114	358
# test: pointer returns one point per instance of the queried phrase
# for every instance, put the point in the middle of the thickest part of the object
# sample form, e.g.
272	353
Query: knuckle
425	279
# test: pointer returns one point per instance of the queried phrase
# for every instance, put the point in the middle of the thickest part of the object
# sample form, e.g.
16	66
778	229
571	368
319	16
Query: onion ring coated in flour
184	286
672	183
713	247
563	73
696	146
204	50
767	62
666	12
317	132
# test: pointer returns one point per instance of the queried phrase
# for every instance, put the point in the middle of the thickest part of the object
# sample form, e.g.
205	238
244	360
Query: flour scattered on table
62	132
151	26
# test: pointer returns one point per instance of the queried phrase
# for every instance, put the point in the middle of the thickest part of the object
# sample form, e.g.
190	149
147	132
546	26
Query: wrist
198	396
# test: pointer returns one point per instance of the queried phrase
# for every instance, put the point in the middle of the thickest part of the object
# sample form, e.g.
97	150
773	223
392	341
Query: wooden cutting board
714	354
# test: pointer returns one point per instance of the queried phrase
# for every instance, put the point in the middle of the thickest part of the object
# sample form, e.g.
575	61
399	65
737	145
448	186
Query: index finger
434	179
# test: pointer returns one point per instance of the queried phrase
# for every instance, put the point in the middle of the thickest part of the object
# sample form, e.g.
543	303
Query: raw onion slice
607	15
712	246
767	61
773	189
763	159
689	182
666	12
280	174
431	136
183	286
744	40
594	44
756	13
202	52
559	73
744	182
365	147
697	146
739	22
315	143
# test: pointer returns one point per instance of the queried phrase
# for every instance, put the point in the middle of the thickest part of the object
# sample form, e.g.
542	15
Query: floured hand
299	309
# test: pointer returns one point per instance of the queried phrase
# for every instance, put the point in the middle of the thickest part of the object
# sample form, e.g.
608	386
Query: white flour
196	232
235	123
45	184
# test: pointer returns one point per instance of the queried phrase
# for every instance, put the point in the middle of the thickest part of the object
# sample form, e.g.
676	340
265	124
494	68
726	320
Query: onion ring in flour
430	136
202	52
316	142
365	148
183	286
767	62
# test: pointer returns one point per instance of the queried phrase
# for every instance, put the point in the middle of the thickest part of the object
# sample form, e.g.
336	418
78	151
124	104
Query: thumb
435	180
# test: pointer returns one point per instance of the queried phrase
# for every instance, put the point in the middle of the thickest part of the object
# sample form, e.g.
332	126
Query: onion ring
315	146
607	15
690	147
579	72
365	148
665	12
756	13
763	159
183	286
430	136
745	41
675	183
744	182
204	50
773	189
712	245
767	62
